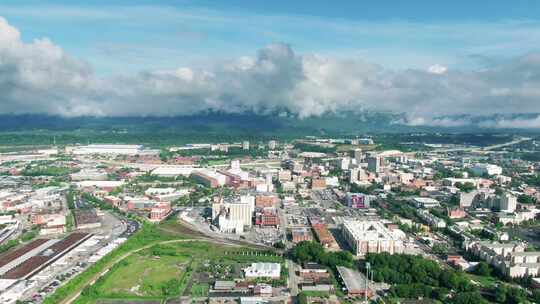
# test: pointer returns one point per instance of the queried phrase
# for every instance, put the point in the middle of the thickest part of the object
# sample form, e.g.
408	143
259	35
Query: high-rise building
374	163
353	175
272	144
231	216
358	200
245	145
343	163
235	164
358	174
507	203
358	155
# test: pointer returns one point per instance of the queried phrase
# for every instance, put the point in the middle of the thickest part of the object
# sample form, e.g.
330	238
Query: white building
358	155
344	163
365	141
510	258
489	169
166	194
100	184
332	181
425	202
89	174
263	270
272	144
231	215
108	149
507	203
173	171
371	237
432	220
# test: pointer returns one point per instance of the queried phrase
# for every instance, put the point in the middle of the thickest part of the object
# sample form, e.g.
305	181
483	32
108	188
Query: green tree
516	296
465	187
500	293
536	296
526	199
468	298
482	269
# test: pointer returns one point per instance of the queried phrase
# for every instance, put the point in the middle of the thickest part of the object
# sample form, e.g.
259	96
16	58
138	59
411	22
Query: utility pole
368	266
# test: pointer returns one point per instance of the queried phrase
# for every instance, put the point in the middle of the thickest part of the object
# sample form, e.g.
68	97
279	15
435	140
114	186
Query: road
484	149
293	279
149	167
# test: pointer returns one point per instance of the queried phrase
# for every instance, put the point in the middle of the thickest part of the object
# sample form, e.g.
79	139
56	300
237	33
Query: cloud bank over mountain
39	77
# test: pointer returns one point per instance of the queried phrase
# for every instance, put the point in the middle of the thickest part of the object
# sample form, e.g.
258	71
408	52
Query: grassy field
142	275
159	262
200	290
148	235
484	281
171	269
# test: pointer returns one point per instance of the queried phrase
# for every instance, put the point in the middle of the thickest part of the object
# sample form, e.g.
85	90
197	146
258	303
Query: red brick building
265	201
324	236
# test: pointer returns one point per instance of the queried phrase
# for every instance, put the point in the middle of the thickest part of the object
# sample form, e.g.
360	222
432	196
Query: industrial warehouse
27	261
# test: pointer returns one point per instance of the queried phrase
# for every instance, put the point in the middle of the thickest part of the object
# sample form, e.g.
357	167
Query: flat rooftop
354	280
9	256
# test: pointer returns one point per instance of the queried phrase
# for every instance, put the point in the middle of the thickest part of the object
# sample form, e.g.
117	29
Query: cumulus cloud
446	122
39	77
437	69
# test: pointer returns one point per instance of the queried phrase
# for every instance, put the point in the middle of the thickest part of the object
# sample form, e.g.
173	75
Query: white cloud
513	123
437	69
39	77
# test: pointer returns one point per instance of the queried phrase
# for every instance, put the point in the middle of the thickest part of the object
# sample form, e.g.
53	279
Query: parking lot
75	262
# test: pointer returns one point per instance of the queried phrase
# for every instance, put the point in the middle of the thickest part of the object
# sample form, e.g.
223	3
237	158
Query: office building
425	202
375	164
358	200
300	235
233	215
358	155
507	203
486	169
209	178
369	236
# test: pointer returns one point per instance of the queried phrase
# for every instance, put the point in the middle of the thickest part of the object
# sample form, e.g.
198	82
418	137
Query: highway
484	149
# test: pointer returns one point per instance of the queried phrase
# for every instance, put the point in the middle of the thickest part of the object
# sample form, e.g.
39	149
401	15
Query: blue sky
129	36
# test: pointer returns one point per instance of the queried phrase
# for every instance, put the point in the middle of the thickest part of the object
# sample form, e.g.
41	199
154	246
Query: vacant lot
142	275
172	269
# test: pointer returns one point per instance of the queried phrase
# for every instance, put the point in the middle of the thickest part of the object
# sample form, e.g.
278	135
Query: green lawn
484	281
142	275
200	290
